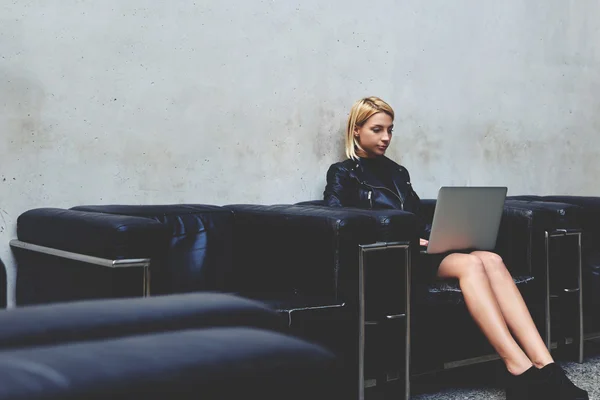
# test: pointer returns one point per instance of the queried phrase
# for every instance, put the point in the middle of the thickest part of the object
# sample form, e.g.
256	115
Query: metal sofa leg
578	337
399	314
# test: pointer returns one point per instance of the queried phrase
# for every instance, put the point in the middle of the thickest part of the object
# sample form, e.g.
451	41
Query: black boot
530	385
561	385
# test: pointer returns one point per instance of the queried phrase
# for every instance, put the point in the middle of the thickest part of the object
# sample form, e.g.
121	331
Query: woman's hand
424	242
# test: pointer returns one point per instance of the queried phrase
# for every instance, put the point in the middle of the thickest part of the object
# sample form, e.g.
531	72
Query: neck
369	156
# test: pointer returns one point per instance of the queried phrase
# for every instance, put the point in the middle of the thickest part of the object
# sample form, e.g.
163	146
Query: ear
356	131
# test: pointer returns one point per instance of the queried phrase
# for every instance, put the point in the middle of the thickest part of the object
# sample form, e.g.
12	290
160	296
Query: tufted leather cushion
212	364
198	248
93	320
90	233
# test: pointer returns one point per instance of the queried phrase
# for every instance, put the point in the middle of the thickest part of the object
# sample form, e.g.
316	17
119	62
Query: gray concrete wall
136	101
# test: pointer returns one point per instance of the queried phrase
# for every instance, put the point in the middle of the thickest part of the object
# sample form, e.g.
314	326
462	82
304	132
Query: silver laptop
466	218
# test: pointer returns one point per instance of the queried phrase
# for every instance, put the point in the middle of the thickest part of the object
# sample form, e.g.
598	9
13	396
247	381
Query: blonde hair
361	111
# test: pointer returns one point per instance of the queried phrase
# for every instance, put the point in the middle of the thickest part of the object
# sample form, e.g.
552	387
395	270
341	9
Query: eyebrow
381	126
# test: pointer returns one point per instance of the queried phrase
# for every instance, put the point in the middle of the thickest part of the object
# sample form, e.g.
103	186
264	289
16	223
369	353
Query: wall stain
24	99
502	144
3	225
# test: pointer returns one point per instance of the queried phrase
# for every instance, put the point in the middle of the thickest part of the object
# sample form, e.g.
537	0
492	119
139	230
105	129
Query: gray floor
481	383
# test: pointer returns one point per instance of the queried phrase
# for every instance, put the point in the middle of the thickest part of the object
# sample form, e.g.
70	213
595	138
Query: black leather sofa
303	260
590	247
207	345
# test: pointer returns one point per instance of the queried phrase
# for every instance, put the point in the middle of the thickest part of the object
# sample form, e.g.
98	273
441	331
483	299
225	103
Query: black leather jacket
349	184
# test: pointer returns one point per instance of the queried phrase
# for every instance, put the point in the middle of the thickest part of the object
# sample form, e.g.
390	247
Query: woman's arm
338	192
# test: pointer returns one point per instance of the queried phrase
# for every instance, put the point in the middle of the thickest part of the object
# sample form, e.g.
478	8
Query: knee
474	268
492	262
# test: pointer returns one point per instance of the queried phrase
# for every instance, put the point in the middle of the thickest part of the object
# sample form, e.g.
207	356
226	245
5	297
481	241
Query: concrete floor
484	381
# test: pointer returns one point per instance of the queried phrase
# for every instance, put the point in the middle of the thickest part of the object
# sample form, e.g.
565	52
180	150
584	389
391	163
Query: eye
376	130
390	131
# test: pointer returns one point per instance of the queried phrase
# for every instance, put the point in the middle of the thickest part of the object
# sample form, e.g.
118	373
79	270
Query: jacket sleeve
338	192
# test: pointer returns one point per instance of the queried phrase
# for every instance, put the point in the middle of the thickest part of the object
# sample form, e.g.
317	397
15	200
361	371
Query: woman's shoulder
342	170
345	165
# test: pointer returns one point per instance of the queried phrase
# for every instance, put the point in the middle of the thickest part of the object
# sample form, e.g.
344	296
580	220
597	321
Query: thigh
456	265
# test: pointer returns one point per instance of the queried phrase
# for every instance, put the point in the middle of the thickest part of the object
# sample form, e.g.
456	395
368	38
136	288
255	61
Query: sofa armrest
522	235
106	236
198	247
590	214
309	250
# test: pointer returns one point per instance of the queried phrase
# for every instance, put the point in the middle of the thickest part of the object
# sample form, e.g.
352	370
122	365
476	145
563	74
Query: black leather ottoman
212	364
102	319
209	364
209	346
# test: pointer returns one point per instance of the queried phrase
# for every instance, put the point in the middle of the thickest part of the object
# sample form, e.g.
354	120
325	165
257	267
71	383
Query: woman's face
375	135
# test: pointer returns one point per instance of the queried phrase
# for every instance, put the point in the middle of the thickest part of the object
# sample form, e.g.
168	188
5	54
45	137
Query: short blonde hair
361	111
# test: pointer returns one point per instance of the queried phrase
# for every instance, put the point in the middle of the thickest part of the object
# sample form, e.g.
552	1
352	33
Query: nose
386	137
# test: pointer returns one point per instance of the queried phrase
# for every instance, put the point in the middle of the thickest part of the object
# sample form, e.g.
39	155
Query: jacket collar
359	168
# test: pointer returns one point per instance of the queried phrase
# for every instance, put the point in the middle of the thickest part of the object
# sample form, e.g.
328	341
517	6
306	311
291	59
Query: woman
367	179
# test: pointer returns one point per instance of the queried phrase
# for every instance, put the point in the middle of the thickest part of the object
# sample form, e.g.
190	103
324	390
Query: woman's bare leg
513	309
482	304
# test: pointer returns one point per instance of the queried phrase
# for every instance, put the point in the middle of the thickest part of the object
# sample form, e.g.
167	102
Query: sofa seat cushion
448	292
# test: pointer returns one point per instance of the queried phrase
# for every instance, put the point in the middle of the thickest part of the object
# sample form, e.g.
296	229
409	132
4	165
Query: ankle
518	369
539	364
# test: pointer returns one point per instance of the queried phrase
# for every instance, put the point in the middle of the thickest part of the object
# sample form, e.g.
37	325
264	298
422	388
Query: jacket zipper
384	188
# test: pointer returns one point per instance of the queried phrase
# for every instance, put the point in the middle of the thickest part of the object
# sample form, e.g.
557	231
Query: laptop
466	218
